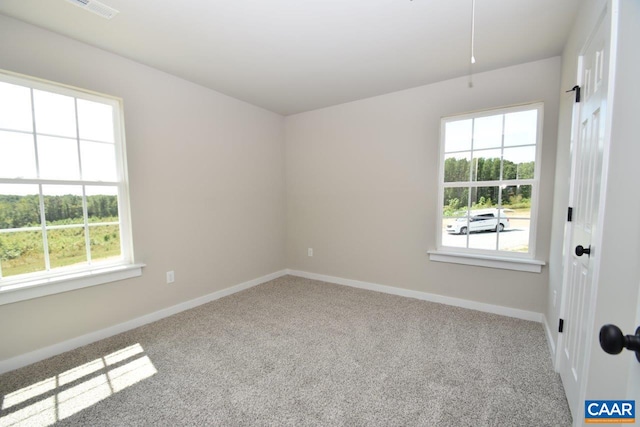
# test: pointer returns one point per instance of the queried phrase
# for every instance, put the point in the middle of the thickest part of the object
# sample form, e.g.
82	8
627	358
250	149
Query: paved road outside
514	238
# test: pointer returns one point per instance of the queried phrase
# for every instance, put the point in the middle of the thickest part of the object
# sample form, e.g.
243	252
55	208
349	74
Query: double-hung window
488	188
64	215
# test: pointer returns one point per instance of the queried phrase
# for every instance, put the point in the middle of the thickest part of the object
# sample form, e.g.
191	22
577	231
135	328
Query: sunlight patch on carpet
56	398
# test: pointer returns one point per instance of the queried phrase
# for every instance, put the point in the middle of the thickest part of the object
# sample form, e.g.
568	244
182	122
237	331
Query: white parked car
480	220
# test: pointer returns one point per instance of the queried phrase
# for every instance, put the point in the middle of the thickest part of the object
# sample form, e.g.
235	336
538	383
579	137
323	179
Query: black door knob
580	250
613	341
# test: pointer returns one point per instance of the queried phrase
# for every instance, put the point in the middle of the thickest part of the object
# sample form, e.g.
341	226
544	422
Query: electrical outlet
171	277
310	252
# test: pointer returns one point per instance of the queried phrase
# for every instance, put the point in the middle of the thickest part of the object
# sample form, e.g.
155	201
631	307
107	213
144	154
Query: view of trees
485	169
456	170
24	211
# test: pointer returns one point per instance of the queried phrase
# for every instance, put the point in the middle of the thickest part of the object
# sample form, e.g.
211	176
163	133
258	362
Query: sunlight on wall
59	397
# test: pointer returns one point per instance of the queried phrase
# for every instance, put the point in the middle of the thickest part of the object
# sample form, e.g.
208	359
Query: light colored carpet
300	352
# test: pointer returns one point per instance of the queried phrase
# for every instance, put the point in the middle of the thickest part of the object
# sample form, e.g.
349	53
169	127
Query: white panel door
585	195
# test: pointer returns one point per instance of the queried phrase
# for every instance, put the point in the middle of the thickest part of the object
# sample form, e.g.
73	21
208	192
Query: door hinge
575	89
570	214
561	325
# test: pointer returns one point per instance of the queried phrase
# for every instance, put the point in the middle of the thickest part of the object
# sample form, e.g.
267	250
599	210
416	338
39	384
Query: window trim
488	257
34	285
54	284
504	263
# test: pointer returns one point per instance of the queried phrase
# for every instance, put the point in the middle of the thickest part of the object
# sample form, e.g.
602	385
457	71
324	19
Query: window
63	187
489	183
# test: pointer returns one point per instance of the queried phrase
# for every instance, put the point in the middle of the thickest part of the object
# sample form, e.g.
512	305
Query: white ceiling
290	56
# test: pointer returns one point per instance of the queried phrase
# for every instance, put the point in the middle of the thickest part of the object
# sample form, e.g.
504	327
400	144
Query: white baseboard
53	350
441	299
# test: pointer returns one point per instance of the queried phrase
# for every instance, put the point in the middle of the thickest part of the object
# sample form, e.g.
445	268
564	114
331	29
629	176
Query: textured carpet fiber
300	352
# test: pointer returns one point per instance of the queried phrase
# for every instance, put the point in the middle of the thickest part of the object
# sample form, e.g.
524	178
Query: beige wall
362	186
207	189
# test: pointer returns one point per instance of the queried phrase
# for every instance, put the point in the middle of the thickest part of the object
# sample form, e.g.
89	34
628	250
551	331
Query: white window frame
33	285
485	257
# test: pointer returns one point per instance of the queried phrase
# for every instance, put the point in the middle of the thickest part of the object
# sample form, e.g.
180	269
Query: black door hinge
570	214
575	89
560	325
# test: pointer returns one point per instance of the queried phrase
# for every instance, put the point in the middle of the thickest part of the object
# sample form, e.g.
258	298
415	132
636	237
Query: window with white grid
489	181
63	186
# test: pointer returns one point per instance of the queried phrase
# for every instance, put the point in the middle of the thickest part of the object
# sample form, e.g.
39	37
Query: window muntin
63	189
489	166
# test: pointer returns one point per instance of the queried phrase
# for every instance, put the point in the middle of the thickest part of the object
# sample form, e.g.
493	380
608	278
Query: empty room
328	213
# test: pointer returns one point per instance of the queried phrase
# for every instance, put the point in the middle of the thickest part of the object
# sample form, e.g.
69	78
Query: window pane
19	206
63	204
102	204
484	239
15	107
487	132
486	165
98	161
17	155
516	237
457	136
95	121
454	212
484	197
457	167
67	246
517	202
519	163
454	232
55	114
455	201
520	128
58	158
518	199
21	252
105	241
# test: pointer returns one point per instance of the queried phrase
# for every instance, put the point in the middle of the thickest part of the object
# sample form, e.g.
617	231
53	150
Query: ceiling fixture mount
96	7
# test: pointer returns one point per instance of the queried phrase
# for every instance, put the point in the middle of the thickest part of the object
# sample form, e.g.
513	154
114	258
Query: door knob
613	341
580	250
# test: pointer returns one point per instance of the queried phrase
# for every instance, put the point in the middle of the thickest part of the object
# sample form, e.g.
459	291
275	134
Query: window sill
505	263
24	290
